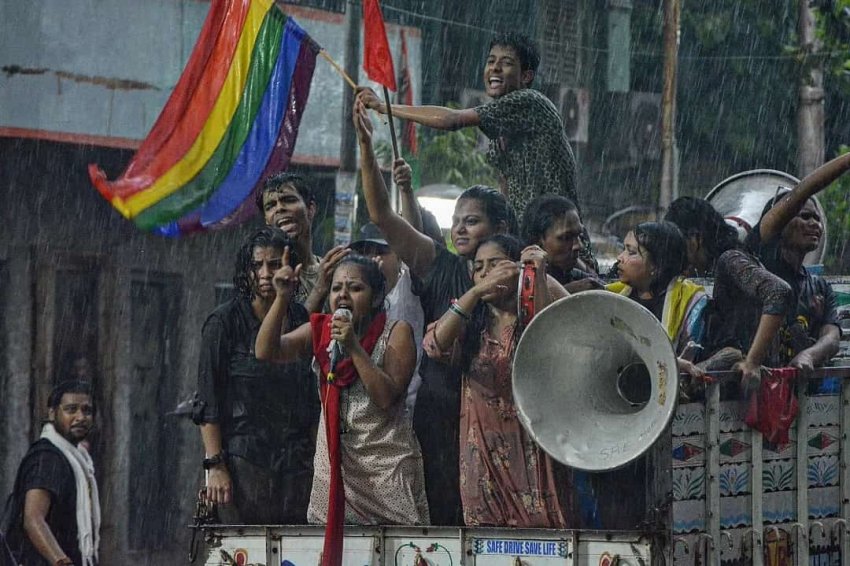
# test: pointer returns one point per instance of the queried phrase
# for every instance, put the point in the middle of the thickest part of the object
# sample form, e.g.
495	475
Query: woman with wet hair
790	227
649	269
480	212
553	223
368	465
506	479
748	300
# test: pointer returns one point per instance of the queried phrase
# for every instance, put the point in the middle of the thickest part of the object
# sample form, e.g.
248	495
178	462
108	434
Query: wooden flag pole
338	69
392	125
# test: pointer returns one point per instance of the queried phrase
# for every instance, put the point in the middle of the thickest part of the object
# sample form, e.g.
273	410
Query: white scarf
88	500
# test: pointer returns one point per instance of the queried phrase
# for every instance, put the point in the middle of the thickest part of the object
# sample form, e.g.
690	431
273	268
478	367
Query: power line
603	50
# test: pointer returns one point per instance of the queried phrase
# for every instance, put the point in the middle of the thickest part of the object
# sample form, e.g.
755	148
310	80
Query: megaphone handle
525	304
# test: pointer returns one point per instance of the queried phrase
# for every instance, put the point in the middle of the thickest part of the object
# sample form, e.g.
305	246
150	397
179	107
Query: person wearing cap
402	303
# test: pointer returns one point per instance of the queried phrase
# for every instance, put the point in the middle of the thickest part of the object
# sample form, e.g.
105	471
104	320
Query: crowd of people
373	385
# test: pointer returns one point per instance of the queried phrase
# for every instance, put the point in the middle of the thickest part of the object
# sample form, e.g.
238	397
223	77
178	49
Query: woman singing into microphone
365	438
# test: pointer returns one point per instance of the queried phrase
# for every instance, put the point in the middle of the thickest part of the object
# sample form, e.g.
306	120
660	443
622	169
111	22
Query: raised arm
412	247
450	327
403	177
780	215
437	117
546	288
272	345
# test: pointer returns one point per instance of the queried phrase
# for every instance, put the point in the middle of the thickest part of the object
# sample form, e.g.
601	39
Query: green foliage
453	157
833	29
737	95
445	157
835	200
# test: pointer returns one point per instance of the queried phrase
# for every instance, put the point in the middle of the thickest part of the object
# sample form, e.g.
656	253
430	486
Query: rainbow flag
231	120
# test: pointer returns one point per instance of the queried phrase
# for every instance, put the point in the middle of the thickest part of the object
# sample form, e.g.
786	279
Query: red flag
405	96
377	59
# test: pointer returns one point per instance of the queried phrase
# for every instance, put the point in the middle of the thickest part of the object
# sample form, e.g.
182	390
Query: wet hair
541	214
371	273
68	386
496	206
529	56
274	184
430	226
267	237
696	217
512	246
664	243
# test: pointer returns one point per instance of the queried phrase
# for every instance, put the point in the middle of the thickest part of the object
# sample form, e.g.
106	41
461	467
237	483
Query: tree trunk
810	136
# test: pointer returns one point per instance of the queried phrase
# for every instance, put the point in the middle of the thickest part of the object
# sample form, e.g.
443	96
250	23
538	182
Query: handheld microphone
337	351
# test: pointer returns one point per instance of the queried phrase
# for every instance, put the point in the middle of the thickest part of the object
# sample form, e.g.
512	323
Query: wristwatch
215	460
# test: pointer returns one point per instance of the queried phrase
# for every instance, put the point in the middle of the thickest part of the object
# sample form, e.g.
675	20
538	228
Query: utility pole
668	105
810	137
345	201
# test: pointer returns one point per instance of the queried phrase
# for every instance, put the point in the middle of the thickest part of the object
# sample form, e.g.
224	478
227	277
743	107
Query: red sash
345	374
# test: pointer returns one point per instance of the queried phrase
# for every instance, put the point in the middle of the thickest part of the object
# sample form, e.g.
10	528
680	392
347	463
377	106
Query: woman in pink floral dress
505	478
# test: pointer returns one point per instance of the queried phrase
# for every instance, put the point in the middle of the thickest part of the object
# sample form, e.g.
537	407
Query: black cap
368	236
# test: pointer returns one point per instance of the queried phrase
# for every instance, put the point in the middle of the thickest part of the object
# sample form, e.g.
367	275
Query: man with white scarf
58	508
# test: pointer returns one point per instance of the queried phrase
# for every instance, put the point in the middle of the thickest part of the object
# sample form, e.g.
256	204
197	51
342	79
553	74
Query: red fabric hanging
377	58
774	406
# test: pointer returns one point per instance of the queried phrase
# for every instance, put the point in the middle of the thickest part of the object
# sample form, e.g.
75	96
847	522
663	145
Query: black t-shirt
814	303
448	278
45	467
266	410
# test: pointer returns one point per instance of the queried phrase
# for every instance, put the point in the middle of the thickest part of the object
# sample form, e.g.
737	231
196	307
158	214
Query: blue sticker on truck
514	547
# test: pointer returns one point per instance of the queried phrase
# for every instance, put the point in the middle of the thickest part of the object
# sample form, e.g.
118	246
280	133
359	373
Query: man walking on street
55	507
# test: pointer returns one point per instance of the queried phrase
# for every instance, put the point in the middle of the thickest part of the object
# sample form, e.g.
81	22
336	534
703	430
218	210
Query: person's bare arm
271	344
820	352
437	117
219	484
412	247
777	217
385	385
316	300
36	508
403	178
750	366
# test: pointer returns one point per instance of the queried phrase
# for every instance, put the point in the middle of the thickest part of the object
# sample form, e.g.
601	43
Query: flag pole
392	125
338	69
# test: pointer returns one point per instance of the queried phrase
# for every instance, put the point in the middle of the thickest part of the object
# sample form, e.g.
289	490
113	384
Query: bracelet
458	310
213	461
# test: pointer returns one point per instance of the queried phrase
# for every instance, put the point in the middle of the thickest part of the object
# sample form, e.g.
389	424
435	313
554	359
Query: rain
85	293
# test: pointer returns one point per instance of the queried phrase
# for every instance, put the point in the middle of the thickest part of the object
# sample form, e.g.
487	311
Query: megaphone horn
595	380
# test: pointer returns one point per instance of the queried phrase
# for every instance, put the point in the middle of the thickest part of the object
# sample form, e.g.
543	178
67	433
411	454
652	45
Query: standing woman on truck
368	465
479	212
505	478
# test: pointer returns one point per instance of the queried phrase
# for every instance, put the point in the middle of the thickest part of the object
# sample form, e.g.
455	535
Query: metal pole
345	203
668	104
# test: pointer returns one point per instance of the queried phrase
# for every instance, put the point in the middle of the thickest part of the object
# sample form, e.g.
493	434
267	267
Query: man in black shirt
52	522
257	419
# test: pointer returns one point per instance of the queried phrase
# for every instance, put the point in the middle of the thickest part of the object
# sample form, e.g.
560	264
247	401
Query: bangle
458	310
213	461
